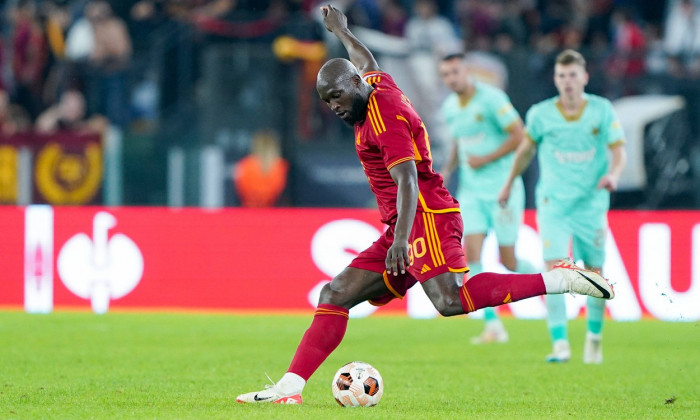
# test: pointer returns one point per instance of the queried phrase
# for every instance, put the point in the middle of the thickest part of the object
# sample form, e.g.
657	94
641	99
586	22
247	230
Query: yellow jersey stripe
389	286
458	270
437	239
429	210
370	115
418	157
364	76
379	115
375	113
467	298
505	108
322	311
428	239
616	143
400	117
397	161
431	234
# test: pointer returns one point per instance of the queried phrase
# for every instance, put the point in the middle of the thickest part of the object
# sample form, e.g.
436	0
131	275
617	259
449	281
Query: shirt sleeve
532	127
503	109
614	135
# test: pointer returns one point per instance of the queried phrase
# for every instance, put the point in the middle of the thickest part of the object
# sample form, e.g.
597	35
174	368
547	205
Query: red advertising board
276	259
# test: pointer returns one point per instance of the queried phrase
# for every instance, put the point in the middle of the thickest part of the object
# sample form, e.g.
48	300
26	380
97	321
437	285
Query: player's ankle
554	282
291	384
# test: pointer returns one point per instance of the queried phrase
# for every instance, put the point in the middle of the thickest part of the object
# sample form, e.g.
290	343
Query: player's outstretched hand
333	19
477	162
504	195
608	182
397	258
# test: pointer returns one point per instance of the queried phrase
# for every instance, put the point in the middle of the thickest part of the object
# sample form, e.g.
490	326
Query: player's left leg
486	289
494	331
506	224
438	262
555	231
478	220
590	245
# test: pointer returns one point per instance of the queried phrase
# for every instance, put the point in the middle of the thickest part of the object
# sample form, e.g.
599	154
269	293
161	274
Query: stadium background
167	120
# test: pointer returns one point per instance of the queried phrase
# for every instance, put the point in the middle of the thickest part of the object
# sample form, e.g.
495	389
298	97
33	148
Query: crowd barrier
276	260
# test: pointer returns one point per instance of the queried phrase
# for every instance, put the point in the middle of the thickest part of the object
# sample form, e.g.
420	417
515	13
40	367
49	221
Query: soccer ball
357	384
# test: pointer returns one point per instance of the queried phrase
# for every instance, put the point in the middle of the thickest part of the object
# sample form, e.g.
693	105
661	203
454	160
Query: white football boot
593	349
582	281
561	352
269	395
494	332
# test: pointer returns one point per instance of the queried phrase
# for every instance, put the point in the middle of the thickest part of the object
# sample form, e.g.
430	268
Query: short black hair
453	56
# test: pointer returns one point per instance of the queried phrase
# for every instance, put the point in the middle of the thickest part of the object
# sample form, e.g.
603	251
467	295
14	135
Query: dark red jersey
393	133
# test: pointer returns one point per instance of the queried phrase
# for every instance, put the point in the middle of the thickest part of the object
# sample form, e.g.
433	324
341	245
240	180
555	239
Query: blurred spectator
366	13
55	20
629	45
109	60
29	57
656	56
427	31
100	46
394	17
13	118
430	37
70	114
260	177
682	39
80	40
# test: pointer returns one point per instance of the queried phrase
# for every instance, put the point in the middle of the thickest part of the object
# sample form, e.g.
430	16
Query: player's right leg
589	245
506	224
327	329
494	331
555	232
477	220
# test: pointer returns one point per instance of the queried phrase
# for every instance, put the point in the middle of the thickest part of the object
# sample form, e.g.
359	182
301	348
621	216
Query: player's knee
448	305
332	294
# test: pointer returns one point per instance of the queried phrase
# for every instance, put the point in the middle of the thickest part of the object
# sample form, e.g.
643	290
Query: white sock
291	384
594	336
554	282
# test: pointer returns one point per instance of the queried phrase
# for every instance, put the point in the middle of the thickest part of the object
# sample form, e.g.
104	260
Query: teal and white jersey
572	152
479	128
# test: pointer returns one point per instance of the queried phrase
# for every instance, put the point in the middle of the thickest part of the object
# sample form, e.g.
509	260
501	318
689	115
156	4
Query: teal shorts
481	215
578	228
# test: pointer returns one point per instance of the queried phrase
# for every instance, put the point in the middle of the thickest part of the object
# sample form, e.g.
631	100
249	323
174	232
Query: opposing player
485	129
423	242
572	132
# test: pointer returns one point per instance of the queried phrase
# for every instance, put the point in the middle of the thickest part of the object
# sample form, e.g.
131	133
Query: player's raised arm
335	21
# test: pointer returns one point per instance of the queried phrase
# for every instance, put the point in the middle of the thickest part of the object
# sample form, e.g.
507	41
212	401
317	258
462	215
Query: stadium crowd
96	48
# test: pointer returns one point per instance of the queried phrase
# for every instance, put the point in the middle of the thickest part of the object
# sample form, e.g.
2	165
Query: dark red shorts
435	247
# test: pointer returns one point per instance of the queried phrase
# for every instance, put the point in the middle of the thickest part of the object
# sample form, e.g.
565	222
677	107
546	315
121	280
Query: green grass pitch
72	365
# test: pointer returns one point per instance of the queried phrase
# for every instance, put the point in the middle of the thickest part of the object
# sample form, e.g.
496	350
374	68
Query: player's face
344	99
454	75
570	79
